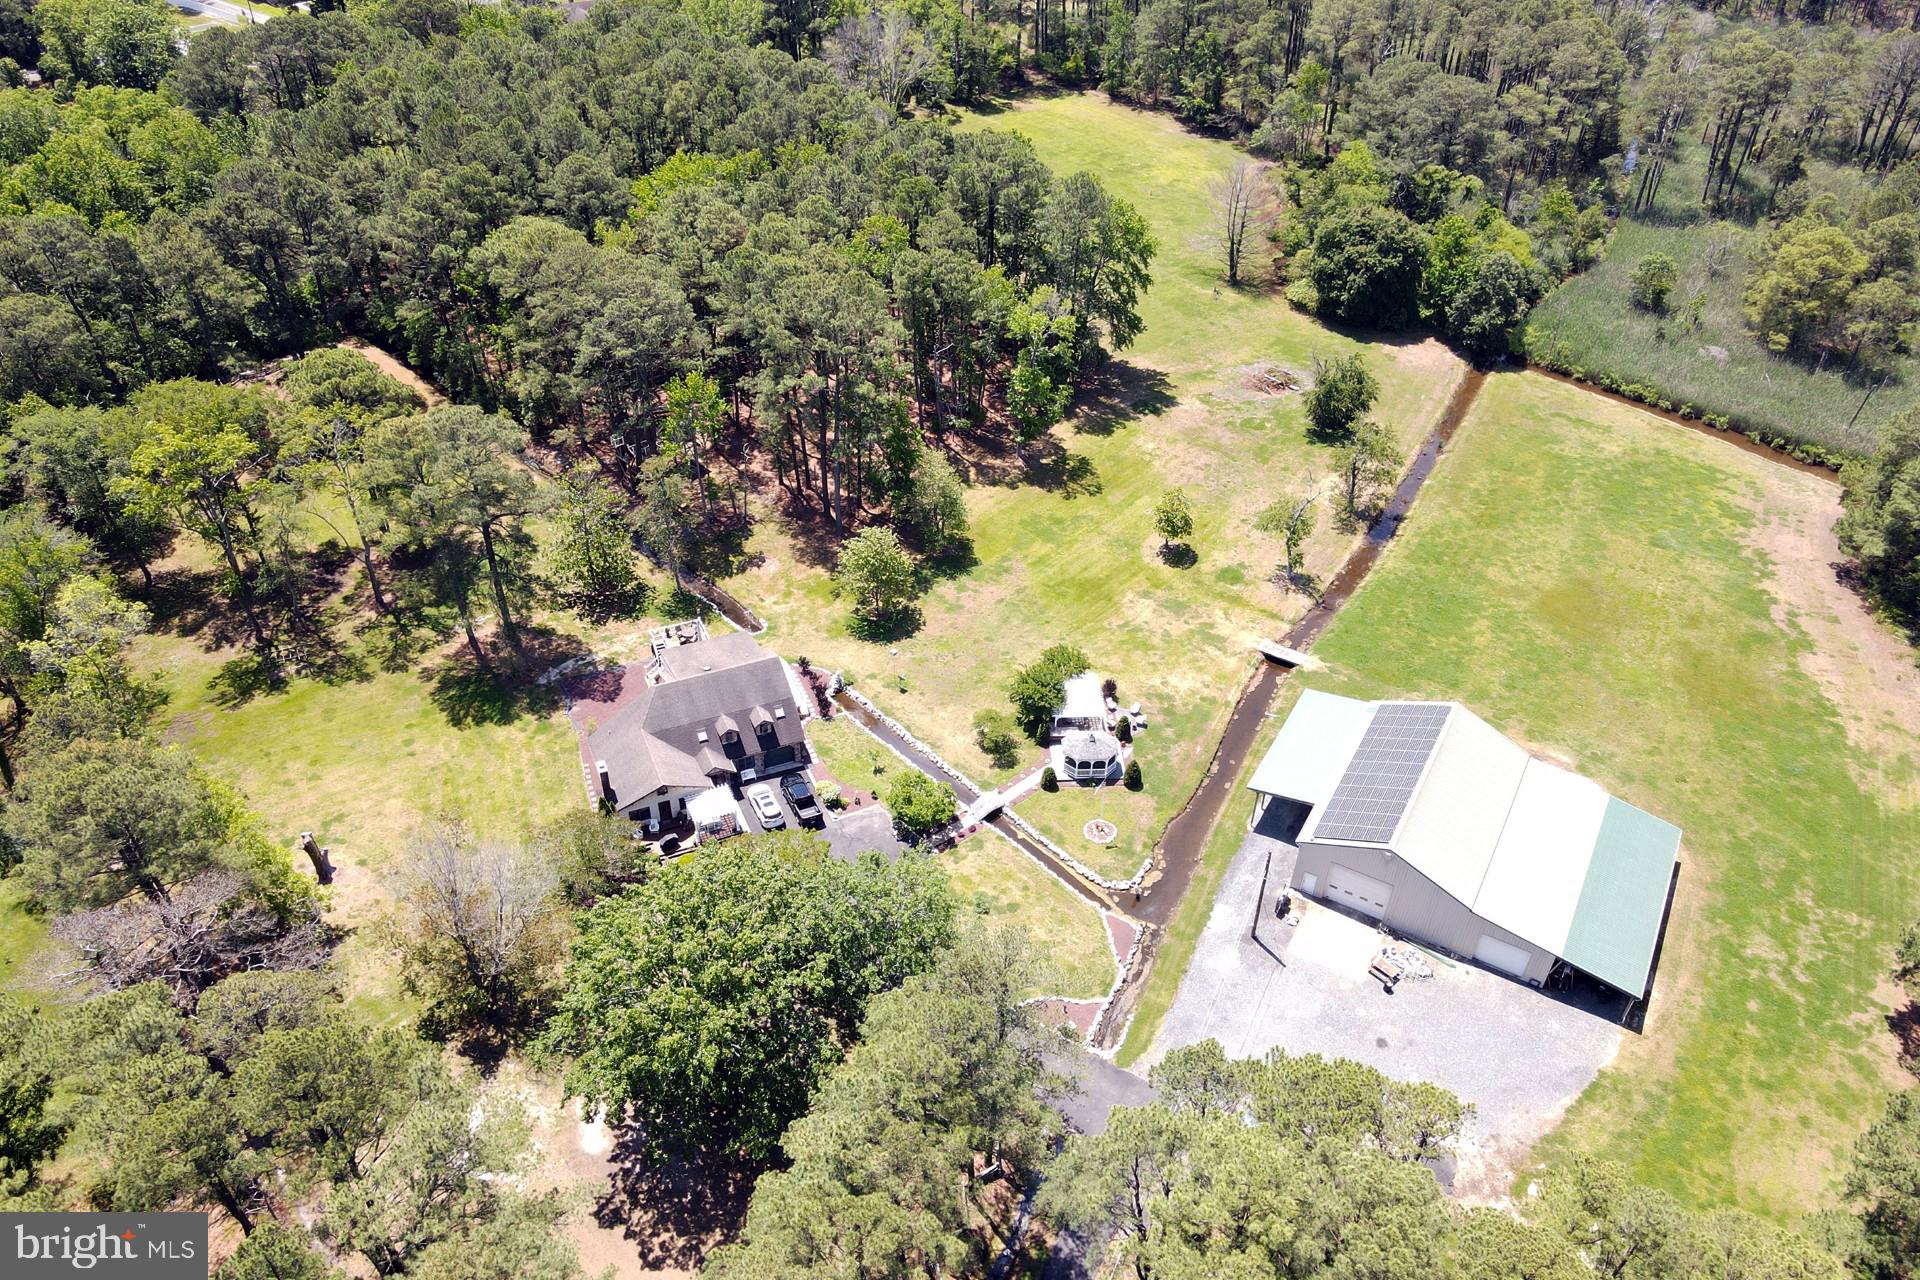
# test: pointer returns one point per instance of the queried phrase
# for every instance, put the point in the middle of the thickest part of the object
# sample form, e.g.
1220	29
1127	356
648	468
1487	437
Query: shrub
1342	392
1652	280
1048	782
1124	730
995	734
919	804
1133	781
829	793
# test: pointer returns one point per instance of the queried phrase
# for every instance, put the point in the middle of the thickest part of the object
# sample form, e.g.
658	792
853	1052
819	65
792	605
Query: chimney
606	781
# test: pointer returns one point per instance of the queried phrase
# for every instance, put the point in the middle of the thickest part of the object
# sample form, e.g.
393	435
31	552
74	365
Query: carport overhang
1312	749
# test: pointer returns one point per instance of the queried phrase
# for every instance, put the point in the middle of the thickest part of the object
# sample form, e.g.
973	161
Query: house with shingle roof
719	712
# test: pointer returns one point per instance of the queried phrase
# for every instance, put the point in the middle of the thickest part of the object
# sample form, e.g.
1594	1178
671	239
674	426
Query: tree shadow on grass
1905	1025
469	694
1122	393
186	602
397	639
895	624
956	561
674	1211
1178	555
1072	475
240	680
815	542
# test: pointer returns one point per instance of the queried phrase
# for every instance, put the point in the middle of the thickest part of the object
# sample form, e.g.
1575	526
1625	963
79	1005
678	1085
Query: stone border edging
1080	868
838	684
1125	968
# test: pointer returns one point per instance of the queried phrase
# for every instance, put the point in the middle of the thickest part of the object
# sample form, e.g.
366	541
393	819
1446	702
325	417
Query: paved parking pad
858	831
1520	1055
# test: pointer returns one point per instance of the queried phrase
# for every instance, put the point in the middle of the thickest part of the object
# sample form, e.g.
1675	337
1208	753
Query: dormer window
764	728
729	738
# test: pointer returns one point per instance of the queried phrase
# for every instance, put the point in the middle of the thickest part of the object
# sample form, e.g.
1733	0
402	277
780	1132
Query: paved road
225	10
1103	1087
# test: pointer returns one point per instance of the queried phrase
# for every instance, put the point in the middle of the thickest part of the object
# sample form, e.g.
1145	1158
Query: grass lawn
852	755
1657	609
1064	552
988	873
1136	816
21	935
1010	889
1718	368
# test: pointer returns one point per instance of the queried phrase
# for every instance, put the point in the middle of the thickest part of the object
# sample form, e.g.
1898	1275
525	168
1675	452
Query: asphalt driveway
865	830
1518	1054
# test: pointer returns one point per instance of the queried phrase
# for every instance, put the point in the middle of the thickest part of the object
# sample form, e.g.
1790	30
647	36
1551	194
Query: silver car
766	806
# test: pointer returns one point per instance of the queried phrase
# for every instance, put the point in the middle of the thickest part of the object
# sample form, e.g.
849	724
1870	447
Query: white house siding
675	796
1419	908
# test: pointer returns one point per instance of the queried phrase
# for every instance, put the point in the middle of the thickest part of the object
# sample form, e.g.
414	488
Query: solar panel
1385	768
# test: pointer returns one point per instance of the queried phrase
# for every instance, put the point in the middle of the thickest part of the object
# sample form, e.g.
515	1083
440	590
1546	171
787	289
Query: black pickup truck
799	789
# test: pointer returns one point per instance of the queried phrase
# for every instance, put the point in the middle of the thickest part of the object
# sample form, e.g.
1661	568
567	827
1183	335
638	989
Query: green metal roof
1623	900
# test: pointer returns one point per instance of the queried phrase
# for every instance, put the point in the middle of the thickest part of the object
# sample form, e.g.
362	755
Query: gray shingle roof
728	684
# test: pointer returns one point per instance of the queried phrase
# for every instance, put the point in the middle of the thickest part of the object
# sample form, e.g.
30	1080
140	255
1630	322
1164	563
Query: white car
766	806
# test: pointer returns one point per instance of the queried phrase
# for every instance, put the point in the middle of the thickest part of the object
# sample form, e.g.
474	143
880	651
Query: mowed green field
1657	610
1066	553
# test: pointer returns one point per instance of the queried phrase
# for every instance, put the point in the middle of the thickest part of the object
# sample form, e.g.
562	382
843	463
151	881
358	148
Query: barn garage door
1503	956
1363	893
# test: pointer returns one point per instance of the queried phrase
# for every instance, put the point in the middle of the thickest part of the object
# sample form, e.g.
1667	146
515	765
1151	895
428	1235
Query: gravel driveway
1518	1054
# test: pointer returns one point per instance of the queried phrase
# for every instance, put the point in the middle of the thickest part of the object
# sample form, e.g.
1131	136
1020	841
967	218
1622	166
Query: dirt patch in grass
391	366
1867	671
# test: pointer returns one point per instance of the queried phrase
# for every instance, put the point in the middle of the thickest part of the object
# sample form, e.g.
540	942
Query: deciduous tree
874	572
1173	518
920	805
1343	391
709	1002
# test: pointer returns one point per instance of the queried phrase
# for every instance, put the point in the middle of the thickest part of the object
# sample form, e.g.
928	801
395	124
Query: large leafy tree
1212	1180
1884	1180
1099	252
96	821
952	1064
65	459
28	1137
1367	265
1037	688
589	551
452	477
37	559
200	454
1343	390
875	573
482	932
709	1002
127	43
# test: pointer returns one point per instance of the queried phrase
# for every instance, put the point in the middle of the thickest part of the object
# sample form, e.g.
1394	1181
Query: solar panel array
1385	768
